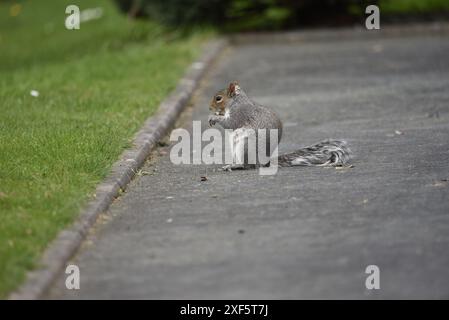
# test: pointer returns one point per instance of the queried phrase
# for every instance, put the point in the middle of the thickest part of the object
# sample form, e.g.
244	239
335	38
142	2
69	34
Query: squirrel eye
218	98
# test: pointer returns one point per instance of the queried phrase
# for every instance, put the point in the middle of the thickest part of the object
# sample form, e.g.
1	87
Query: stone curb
154	129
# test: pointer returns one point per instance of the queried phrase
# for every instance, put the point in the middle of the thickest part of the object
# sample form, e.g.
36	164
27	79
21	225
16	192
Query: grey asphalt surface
305	232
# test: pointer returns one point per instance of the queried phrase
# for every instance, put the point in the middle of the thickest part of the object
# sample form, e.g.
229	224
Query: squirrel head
222	98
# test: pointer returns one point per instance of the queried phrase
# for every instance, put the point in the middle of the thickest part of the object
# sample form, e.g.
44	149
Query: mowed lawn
96	86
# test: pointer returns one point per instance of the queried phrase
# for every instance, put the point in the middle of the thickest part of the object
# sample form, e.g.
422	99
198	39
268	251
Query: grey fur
245	113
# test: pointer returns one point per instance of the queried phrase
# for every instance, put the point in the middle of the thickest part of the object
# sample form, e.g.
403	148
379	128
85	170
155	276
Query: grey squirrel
233	109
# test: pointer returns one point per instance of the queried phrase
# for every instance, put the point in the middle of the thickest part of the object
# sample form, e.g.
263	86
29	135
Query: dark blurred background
244	15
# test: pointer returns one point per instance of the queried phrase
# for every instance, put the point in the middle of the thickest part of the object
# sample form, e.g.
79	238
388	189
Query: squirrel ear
233	89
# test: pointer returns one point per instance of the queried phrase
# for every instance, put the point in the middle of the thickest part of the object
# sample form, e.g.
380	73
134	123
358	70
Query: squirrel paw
227	168
213	119
231	167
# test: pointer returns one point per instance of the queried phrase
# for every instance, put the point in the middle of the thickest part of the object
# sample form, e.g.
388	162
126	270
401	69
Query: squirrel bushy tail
325	153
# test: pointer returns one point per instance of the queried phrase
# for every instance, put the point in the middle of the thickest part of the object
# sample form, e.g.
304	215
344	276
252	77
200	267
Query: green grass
97	85
413	6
